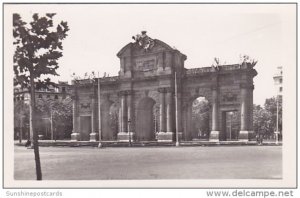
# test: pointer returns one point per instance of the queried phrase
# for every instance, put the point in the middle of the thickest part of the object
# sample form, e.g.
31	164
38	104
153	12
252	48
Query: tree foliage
61	110
21	111
265	118
200	116
38	48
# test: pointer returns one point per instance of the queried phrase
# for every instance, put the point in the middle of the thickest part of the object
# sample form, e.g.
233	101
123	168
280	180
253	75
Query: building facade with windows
62	91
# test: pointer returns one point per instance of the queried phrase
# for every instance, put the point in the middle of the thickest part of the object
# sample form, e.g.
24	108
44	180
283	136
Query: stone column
93	134
215	133
75	136
124	113
123	135
169	111
179	117
162	118
129	115
246	109
165	134
188	122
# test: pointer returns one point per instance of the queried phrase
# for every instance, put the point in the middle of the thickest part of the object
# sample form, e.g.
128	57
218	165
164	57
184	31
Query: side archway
109	120
145	122
197	119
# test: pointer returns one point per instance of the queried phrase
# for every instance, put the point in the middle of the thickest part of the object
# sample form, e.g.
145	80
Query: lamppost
278	83
129	129
176	111
230	128
277	119
21	129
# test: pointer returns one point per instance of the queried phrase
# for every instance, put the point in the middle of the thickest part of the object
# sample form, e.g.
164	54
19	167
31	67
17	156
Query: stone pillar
169	111
215	133
123	133
75	136
162	118
179	117
188	122
166	129
124	113
129	115
246	129
93	134
251	113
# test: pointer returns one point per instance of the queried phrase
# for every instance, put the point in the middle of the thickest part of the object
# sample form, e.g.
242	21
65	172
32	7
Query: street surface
214	162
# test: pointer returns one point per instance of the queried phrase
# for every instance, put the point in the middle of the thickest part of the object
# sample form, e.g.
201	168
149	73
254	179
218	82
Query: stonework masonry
139	103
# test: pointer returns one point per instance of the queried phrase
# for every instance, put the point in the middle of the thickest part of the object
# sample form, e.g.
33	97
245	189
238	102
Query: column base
165	136
93	137
124	136
75	136
245	135
214	136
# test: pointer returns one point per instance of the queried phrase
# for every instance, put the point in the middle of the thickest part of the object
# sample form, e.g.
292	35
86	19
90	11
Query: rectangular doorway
230	125
85	127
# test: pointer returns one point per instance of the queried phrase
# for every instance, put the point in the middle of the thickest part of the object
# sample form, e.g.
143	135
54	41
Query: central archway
145	125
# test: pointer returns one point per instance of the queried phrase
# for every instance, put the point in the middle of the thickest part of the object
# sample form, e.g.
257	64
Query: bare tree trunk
33	132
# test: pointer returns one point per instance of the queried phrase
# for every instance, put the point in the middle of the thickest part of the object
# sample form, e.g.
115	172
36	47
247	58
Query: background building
279	90
46	100
278	81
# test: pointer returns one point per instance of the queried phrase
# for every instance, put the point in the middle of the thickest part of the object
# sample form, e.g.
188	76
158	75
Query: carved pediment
143	44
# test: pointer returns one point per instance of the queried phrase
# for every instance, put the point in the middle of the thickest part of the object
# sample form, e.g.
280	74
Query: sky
202	32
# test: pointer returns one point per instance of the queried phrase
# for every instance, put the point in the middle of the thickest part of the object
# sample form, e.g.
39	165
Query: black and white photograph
150	95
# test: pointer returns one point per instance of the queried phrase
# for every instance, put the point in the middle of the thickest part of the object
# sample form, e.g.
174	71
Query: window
63	89
280	89
40	96
48	96
280	81
56	97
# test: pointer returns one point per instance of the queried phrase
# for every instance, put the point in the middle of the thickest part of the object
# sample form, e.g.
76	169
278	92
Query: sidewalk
147	143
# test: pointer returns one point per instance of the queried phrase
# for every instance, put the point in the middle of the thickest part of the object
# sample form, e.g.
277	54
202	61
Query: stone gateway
139	103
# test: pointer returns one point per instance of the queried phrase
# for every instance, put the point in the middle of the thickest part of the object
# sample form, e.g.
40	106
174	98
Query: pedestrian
261	139
257	138
28	143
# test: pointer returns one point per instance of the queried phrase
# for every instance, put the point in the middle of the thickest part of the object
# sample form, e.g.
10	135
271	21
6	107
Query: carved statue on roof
144	41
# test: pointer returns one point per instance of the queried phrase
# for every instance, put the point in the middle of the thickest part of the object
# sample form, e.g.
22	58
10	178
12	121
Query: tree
59	111
262	122
38	48
200	116
21	115
264	118
271	107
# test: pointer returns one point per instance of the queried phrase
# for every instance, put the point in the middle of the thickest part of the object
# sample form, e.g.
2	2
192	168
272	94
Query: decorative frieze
85	105
229	97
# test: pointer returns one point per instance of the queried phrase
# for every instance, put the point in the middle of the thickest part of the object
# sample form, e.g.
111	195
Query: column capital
92	96
161	90
165	90
74	97
169	90
125	92
214	87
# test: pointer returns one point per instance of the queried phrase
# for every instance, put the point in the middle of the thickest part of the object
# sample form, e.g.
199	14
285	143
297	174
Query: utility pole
99	113
21	129
51	125
277	119
176	110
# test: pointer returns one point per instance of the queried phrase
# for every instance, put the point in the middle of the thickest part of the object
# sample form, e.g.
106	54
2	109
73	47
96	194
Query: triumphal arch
151	98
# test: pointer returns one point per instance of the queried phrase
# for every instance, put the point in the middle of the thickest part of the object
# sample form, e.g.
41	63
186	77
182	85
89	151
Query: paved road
87	163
